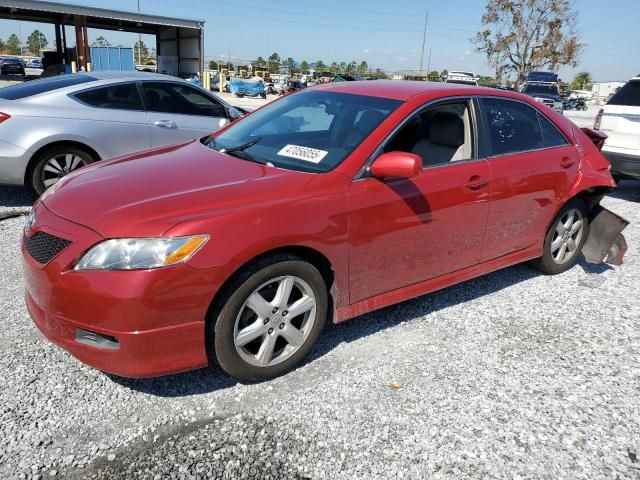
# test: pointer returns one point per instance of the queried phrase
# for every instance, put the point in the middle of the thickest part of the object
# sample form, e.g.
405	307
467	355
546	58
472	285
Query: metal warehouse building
179	42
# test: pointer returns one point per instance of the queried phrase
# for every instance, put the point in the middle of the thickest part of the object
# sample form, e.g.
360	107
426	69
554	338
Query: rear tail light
4	116
598	121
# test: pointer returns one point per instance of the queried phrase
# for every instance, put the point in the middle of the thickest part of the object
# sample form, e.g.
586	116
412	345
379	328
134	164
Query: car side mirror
397	165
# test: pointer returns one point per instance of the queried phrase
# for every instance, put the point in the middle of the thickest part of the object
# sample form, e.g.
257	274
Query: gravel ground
512	375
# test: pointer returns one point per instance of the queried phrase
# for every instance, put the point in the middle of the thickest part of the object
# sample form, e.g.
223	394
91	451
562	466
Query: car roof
404	90
127	75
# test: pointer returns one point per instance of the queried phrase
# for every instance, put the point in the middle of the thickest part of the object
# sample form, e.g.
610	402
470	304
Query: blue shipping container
112	58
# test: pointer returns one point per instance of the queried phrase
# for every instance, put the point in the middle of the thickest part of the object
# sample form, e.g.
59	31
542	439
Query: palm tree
581	81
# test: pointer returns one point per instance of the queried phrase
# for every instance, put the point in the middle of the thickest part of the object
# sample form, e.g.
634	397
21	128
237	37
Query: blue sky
387	34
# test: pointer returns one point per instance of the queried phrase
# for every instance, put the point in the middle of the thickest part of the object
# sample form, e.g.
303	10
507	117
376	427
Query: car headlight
140	253
557	104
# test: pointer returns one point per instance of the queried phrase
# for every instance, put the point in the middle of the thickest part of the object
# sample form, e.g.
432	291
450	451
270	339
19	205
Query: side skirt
433	284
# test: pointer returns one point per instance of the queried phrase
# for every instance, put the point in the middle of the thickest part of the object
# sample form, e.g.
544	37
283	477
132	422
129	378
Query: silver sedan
52	126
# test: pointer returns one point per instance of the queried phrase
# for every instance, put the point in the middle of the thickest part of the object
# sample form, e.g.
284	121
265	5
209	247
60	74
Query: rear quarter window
628	95
42	85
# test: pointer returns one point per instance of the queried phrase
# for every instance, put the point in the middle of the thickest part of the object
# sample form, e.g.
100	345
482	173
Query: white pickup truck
620	120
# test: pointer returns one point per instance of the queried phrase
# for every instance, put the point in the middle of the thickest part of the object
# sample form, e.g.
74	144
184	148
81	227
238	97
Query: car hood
147	193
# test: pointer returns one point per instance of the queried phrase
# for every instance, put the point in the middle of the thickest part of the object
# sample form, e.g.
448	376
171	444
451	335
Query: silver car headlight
557	105
140	253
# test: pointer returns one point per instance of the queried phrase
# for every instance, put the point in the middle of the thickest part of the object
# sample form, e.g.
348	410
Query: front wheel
565	238
54	163
273	314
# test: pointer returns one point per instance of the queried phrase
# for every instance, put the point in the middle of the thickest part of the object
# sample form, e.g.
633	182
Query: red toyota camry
320	206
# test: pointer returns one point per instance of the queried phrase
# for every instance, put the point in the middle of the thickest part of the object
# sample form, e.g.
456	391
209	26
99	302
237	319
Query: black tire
546	262
222	320
37	177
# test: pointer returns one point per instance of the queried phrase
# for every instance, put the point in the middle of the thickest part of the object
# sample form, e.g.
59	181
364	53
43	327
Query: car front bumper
626	164
140	323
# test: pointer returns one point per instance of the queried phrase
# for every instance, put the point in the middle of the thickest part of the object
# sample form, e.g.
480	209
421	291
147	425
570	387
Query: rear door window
43	85
511	126
122	96
551	136
628	95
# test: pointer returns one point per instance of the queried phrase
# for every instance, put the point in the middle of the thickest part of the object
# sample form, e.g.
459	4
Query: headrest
447	129
369	120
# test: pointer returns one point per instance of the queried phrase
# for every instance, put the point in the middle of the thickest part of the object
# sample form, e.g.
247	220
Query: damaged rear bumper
605	242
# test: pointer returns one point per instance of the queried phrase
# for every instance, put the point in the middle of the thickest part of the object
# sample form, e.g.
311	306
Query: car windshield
42	85
311	131
546	89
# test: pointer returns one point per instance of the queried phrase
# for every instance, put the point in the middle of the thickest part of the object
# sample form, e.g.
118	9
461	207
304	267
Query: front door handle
567	162
165	124
477	182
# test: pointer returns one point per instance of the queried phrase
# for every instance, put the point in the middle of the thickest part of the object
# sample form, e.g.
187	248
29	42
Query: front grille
43	247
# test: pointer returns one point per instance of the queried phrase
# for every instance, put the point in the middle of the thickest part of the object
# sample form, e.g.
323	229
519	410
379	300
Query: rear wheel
54	163
565	238
271	317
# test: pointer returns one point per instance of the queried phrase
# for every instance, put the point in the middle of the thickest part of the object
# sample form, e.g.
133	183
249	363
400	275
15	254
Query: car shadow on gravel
627	190
213	378
16	197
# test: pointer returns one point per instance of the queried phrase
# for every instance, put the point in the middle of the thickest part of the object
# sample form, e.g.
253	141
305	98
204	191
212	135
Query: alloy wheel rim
60	165
274	321
567	236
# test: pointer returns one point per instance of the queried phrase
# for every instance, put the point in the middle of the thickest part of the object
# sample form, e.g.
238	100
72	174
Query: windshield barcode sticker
303	153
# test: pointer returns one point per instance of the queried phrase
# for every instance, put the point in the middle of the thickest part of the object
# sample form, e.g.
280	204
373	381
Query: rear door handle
567	162
165	124
477	182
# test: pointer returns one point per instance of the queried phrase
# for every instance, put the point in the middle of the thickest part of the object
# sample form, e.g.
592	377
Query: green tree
36	42
259	64
289	65
320	66
274	62
433	76
213	65
140	51
101	42
334	68
582	81
363	68
2	46
380	74
13	45
343	67
304	66
529	34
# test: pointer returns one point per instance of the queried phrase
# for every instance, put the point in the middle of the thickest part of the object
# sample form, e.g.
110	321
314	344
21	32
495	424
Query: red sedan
322	205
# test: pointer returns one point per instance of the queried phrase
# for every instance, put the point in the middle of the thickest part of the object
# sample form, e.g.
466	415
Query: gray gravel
512	375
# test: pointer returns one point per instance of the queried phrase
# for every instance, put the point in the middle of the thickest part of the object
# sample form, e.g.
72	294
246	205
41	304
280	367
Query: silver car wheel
275	321
60	165
567	236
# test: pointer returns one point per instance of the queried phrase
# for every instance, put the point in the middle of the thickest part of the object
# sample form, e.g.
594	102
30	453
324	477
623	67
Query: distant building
602	90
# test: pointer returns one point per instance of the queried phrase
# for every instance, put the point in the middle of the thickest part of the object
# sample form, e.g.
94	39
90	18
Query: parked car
462	78
12	66
36	63
52	126
322	205
620	120
546	93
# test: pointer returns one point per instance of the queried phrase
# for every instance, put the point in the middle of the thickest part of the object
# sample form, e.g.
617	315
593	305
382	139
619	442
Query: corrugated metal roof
69	9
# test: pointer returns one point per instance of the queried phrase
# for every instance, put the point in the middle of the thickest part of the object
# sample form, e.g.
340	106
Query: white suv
620	120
